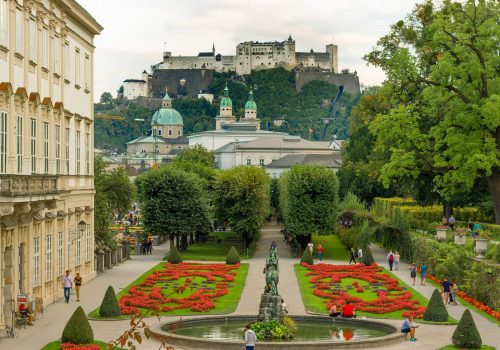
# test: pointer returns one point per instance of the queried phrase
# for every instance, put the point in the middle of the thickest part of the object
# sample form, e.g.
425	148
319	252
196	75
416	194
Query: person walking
320	252
409	327
353	256
78	285
360	255
311	247
396	261
67	283
453	293
390	259
423	273
413	272
446	285
250	338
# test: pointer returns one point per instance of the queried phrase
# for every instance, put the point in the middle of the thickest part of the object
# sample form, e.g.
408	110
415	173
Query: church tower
225	111
251	111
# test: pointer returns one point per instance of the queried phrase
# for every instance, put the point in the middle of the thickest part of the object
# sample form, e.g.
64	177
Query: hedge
232	257
307	257
436	311
466	335
78	329
109	306
393	238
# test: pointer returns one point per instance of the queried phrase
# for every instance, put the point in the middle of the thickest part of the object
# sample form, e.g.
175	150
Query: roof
325	160
181	140
175	151
226	101
226	132
167	116
134	81
230	147
205	54
250	105
288	142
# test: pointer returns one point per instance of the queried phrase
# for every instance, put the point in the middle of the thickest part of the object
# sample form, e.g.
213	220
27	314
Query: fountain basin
314	332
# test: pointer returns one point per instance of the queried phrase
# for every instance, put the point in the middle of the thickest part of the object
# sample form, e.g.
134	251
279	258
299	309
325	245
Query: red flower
70	346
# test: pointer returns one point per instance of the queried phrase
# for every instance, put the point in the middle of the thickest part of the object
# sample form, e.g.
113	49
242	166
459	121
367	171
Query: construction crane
326	121
107	116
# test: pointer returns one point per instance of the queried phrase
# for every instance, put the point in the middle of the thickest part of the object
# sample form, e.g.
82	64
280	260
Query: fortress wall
350	81
196	80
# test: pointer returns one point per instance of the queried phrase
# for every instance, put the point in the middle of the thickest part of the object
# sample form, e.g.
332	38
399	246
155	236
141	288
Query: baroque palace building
46	149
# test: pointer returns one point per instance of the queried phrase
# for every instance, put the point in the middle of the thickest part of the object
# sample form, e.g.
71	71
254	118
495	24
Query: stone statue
272	273
271	307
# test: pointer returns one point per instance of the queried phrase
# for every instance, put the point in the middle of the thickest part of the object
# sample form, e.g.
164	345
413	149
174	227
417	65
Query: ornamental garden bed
98	345
372	292
184	289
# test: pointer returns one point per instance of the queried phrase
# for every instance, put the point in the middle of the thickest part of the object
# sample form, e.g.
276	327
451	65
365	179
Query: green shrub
349	236
109	306
307	257
466	335
232	257
367	257
174	257
436	311
272	330
78	329
394	238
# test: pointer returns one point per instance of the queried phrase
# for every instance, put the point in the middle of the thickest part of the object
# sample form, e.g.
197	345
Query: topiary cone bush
174	257
232	257
78	329
466	335
109	306
307	257
436	311
367	257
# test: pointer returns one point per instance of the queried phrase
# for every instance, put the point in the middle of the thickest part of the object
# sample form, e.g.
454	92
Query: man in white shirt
250	338
311	246
67	284
360	255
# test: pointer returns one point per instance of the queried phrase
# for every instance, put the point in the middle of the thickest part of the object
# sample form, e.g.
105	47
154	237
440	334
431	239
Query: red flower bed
391	297
477	304
149	294
70	346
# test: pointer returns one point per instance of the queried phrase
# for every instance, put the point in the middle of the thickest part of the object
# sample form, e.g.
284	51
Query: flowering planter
441	233
481	247
459	238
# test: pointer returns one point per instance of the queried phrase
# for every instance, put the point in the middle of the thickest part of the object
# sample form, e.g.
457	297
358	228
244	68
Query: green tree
197	154
466	335
78	329
242	199
436	311
441	64
309	201
106	98
174	203
109	305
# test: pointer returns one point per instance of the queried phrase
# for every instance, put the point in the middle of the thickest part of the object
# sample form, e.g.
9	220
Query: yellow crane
108	116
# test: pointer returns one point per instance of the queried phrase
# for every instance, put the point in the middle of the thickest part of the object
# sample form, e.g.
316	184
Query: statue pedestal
270	308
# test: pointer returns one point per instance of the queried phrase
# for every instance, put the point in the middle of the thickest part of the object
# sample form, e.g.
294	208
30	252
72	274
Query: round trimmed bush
367	257
436	311
174	257
307	257
109	306
466	335
232	257
78	329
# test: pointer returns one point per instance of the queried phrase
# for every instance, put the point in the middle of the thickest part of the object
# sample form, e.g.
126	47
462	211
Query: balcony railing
27	185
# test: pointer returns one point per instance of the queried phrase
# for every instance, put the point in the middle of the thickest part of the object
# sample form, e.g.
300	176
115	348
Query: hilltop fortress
192	75
254	55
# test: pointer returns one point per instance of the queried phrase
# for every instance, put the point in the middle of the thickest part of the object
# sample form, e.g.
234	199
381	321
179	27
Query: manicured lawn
212	251
318	304
333	247
56	345
453	347
184	286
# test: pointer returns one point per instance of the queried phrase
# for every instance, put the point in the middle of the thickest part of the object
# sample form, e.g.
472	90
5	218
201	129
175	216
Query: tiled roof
289	142
326	160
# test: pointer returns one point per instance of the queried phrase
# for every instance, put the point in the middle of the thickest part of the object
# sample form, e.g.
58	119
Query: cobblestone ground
50	327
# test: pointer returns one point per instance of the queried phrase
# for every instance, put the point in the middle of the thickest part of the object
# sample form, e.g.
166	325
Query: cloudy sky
136	32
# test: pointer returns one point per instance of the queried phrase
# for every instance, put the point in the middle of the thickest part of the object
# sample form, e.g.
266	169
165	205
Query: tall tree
441	64
174	203
196	154
309	201
242	199
106	98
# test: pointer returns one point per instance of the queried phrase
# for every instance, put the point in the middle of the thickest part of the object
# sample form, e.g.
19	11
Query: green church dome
226	101
250	105
166	115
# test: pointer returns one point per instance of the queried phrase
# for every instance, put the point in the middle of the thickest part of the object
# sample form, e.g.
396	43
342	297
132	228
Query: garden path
49	326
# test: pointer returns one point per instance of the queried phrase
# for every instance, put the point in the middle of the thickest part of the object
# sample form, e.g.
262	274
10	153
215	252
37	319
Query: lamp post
82	225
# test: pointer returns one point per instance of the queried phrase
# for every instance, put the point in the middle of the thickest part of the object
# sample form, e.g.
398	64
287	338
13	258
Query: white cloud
135	31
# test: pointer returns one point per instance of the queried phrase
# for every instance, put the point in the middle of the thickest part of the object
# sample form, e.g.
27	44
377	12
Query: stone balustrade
27	185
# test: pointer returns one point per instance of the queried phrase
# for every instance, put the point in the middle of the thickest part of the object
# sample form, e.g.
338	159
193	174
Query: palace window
60	240
33	145
77	66
67	65
86	69
57	55
249	161
88	251
169	132
58	149
67	150
32	40
4	23
78	252
48	258
3	142
36	256
19	143
19	31
45	148
87	155
261	161
78	151
45	47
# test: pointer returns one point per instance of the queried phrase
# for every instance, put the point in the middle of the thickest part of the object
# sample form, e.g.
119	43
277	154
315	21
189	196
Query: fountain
313	332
